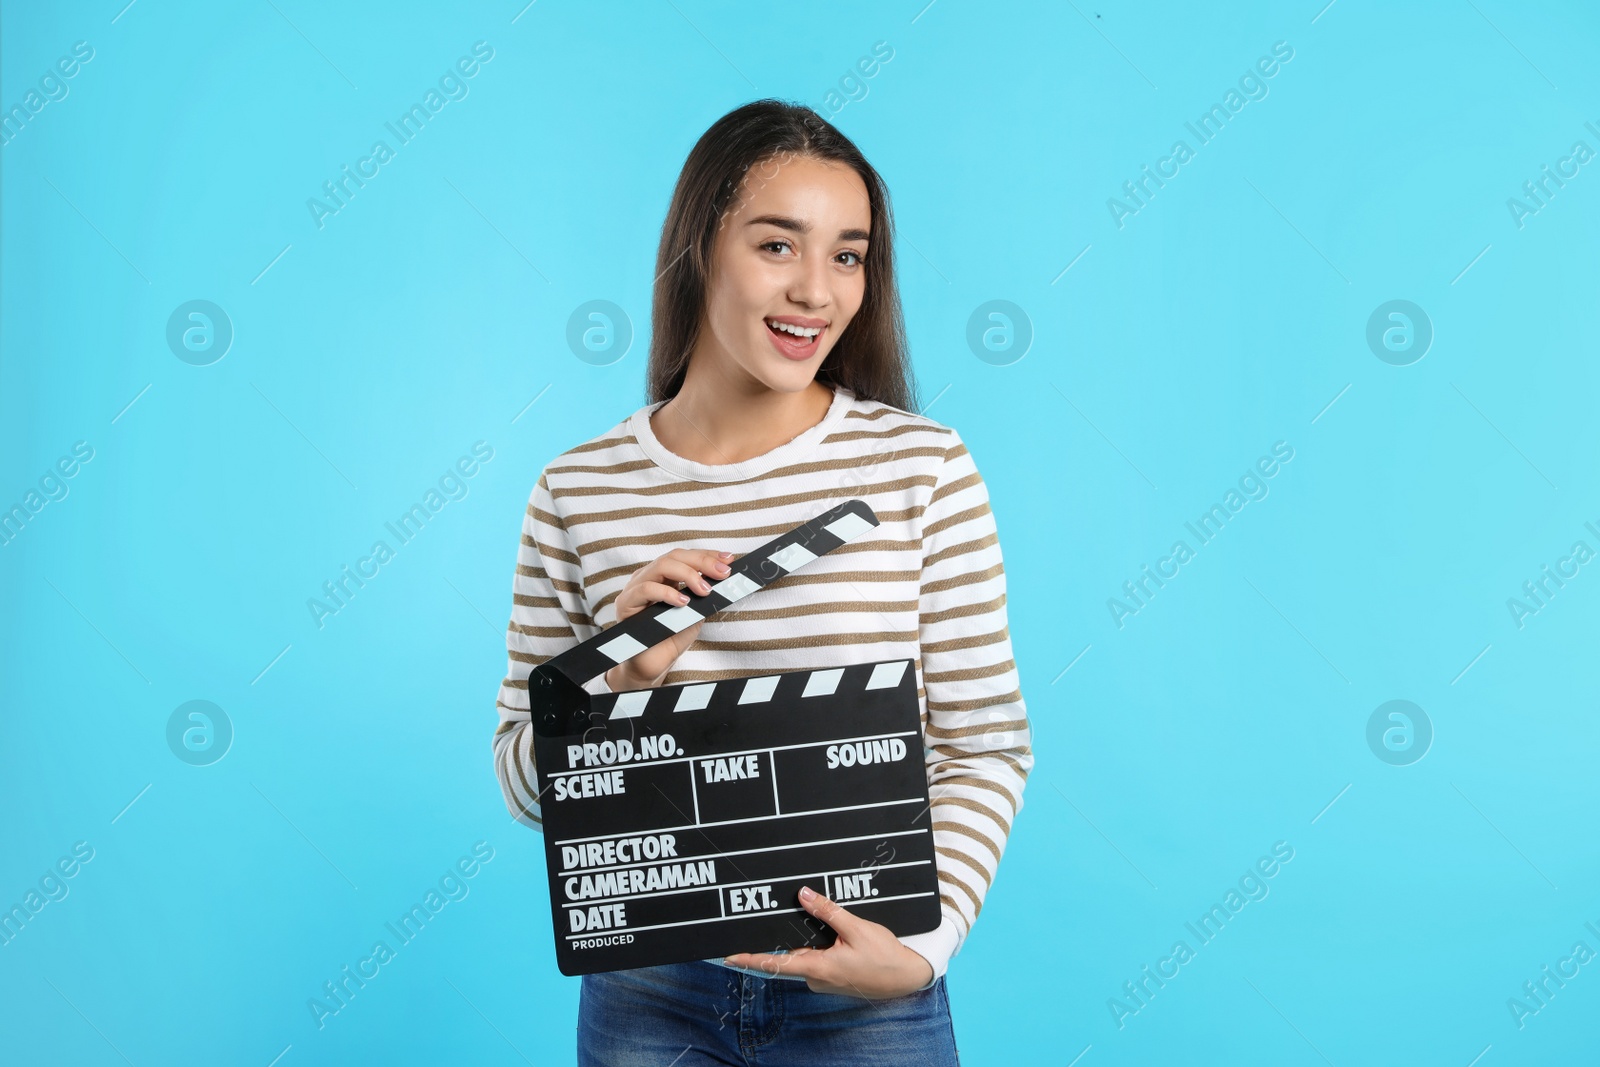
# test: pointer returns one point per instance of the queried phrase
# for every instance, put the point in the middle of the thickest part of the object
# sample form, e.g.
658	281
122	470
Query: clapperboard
680	822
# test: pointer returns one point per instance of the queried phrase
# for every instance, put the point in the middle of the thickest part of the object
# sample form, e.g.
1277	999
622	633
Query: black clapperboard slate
680	822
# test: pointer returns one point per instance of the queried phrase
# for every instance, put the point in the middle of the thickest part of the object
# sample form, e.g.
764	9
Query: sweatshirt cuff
936	946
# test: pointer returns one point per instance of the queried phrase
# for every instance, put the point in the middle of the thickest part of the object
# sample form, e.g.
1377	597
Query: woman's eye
775	244
859	258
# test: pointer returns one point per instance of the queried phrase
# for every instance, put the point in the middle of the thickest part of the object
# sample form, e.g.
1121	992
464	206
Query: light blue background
1228	314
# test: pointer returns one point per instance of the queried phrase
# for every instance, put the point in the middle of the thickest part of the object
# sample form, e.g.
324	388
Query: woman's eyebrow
801	226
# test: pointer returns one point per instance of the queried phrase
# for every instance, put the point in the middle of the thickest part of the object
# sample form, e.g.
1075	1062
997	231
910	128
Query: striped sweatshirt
928	585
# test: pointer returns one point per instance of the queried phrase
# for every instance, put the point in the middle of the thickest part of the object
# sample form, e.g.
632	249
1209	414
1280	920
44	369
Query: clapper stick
556	697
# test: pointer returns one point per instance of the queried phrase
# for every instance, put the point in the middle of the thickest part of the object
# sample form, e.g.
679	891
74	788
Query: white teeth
798	331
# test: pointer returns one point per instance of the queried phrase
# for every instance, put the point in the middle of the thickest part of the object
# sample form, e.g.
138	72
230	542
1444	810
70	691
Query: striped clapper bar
680	822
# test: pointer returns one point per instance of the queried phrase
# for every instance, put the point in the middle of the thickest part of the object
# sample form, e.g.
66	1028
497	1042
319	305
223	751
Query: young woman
779	387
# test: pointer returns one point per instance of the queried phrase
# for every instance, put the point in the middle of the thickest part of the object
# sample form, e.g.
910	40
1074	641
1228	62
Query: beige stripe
549	551
846	578
745	616
970	578
974	782
981	808
885	410
1004	757
811	641
949	879
956	644
605	470
970	674
553	632
686	486
968	831
738	504
624	437
963	611
824	607
680	677
975	512
575	620
967	707
965	548
969	861
538	574
839	436
627	570
1017	726
966	481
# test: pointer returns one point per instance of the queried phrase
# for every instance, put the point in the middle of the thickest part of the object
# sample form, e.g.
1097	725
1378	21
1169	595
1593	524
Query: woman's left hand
867	960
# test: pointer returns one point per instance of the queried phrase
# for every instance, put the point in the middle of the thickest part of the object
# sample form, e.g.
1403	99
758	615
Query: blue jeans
687	1014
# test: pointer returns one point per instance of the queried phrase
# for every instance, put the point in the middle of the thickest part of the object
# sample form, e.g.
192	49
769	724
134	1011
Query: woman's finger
802	962
669	571
705	560
843	923
639	595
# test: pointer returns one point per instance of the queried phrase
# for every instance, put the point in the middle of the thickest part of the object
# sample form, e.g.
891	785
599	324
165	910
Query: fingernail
725	555
806	893
683	598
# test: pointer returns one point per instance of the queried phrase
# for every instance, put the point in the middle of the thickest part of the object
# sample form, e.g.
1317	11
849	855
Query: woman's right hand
658	581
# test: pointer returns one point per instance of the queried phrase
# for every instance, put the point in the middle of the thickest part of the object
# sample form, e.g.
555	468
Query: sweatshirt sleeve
977	736
549	614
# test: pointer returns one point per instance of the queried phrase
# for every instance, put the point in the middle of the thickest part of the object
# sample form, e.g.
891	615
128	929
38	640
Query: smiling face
787	272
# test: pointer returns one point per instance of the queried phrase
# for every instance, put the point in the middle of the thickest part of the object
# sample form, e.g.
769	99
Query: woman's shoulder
904	430
612	451
875	415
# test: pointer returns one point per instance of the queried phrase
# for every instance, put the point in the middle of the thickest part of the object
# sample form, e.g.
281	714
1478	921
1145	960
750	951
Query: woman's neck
705	423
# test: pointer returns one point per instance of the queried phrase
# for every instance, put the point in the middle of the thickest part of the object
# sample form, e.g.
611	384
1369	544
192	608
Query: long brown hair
870	358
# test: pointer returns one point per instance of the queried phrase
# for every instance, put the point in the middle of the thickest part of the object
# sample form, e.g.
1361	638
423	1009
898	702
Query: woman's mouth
793	340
